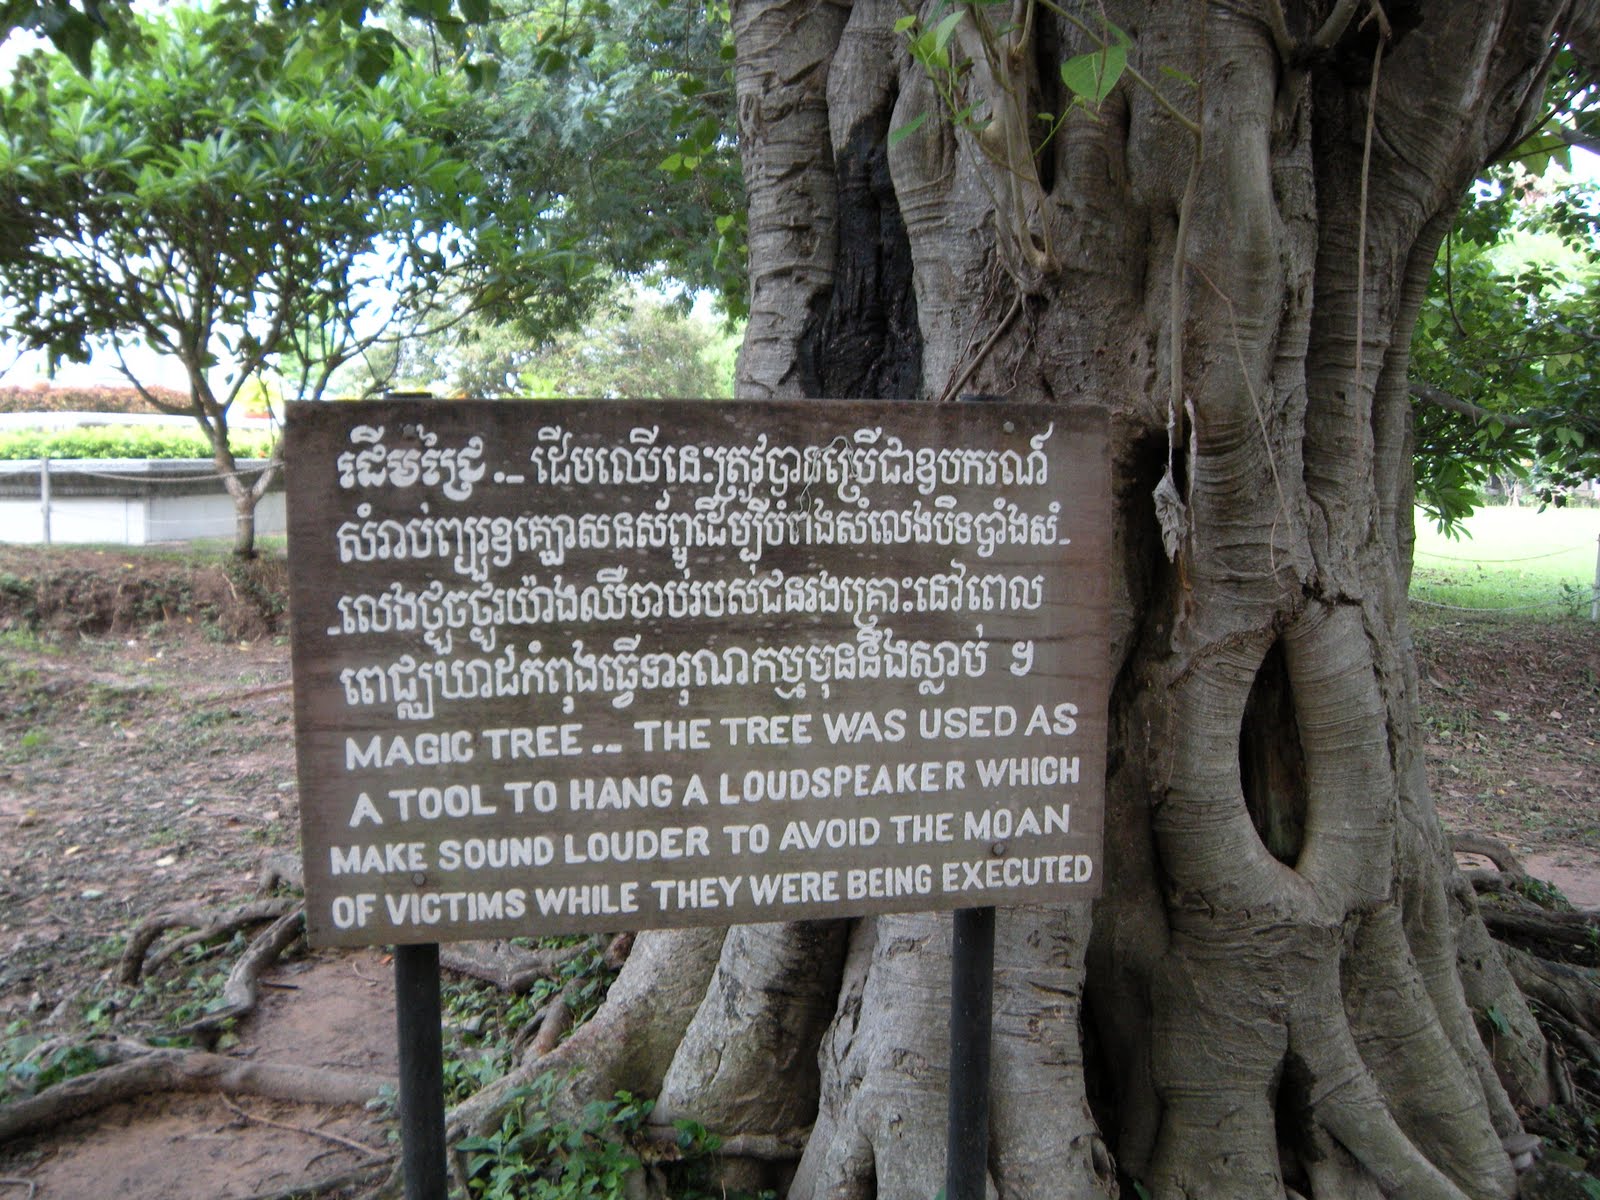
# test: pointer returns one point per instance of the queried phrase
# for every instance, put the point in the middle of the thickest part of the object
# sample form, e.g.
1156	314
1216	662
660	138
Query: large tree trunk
1277	990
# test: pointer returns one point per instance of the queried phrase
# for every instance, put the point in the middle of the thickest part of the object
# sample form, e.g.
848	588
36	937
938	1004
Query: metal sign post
971	1020
971	1026
421	1045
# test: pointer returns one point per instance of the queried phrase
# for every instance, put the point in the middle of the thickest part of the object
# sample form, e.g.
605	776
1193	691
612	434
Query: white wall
124	502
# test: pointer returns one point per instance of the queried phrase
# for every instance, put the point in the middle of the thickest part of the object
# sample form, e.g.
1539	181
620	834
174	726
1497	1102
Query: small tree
237	213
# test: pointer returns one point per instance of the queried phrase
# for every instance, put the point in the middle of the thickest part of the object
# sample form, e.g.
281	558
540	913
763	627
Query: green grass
1538	564
197	551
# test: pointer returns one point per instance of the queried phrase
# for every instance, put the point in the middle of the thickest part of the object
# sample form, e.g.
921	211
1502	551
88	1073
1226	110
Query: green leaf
1498	1020
896	136
374	57
72	33
945	29
1090	77
931	47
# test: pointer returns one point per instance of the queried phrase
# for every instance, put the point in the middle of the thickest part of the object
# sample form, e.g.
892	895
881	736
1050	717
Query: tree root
251	1118
1505	860
1576	933
557	1010
1561	1084
557	1020
881	1121
1517	1045
143	1070
1575	1036
206	923
243	988
508	967
1573	993
306	1191
618	949
627	1045
1547	956
773	994
767	1147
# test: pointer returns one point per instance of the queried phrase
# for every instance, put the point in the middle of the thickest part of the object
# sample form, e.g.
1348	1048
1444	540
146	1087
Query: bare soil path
146	763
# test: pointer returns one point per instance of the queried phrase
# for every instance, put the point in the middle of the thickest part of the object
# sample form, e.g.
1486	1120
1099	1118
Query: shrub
42	397
125	441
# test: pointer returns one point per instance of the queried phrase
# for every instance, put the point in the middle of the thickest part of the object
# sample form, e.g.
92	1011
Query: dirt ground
146	762
1511	711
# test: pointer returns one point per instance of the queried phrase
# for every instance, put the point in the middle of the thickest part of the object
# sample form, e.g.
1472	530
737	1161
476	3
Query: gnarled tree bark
1278	990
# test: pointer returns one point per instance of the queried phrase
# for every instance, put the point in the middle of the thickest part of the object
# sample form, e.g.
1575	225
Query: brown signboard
596	665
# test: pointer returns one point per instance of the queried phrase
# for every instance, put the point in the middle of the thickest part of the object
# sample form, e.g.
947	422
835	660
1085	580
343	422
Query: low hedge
125	441
42	397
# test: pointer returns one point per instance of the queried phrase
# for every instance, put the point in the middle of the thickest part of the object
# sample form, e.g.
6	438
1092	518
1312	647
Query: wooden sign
572	666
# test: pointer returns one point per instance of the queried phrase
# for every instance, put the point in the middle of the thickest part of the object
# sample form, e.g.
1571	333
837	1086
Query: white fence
128	502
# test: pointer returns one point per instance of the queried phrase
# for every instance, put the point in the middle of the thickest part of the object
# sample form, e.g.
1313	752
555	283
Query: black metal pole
418	1021
971	1019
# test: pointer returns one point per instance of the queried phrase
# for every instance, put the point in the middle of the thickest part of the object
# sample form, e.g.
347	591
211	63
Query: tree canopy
240	215
616	118
1506	358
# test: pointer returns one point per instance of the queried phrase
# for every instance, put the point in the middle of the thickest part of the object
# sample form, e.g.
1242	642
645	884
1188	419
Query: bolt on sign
605	665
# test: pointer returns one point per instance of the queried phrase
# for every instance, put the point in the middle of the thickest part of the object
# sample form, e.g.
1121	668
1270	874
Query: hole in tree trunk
1296	1135
862	338
1272	767
1048	56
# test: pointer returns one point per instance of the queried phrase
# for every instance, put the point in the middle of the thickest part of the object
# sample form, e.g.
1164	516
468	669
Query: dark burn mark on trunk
862	338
